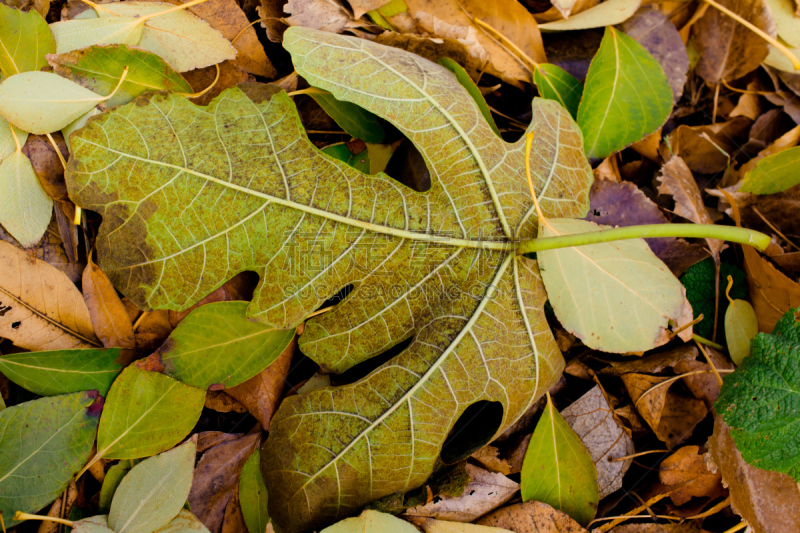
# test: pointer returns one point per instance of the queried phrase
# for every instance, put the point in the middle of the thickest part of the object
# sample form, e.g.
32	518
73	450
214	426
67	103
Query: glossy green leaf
25	209
353	119
100	68
773	174
607	13
50	435
616	296
114	477
43	102
154	491
75	34
253	495
237	186
25	40
555	83
760	401
217	345
145	414
625	98
63	371
340	151
466	82
741	326
558	470
371	522
183	40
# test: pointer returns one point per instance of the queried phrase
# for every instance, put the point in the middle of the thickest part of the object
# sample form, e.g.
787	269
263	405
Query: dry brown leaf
109	316
234	519
767	500
648	147
56	511
704	148
46	164
749	105
209	439
624	204
431	525
652	363
454	19
684	527
229	75
271	14
326	15
772	293
790	262
608	170
688	465
672	417
362	6
485	492
227	17
676	180
216	477
219	401
488	457
557	12
516	454
593	421
531	517
40	308
628	414
433	49
703	386
727	49
261	394
51	249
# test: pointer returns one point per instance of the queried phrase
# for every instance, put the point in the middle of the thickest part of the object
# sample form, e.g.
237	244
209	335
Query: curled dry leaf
109	317
488	457
485	492
593	420
431	525
221	402
699	146
772	293
687	465
767	500
532	517
703	386
671	416
727	49
216	477
326	15
41	308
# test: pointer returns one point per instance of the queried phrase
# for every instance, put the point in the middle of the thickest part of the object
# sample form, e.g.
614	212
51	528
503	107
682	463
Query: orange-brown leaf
109	316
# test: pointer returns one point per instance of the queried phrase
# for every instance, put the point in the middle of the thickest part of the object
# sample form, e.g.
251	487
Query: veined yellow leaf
74	34
24	41
25	208
7	144
43	102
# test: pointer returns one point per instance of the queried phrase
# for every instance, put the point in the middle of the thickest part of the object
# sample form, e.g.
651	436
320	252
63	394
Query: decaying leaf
709	148
41	308
477	230
109	317
532	517
772	293
593	421
326	15
488	457
485	492
767	500
687	465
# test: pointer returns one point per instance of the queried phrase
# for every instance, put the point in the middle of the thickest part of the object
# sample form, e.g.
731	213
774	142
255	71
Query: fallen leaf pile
378	266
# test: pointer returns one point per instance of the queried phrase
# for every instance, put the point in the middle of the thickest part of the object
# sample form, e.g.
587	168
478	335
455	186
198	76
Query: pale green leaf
617	296
146	413
625	98
185	522
558	470
154	491
741	326
253	495
43	102
555	83
607	13
217	345
77	124
93	524
100	68
356	121
50	435
114	477
183	40
193	195
773	174
63	371
340	151
25	39
371	522
788	23
75	34
7	143
466	82
25	209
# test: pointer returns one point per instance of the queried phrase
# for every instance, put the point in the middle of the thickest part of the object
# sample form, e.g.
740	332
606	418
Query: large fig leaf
191	196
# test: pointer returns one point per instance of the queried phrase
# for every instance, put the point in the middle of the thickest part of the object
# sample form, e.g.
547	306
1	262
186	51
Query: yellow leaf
74	34
25	208
7	144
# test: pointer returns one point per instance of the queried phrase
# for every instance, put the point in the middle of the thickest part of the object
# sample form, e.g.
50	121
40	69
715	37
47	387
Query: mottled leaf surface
202	208
43	442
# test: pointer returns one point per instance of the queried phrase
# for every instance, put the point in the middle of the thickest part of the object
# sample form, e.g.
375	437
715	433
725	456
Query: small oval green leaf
773	174
555	83
353	119
467	83
741	326
63	371
253	495
25	209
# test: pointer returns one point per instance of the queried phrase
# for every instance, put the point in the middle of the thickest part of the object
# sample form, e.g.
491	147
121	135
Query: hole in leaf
364	368
4	310
16	325
473	430
338	297
408	167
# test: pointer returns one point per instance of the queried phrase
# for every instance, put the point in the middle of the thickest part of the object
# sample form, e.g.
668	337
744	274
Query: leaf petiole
750	237
19	515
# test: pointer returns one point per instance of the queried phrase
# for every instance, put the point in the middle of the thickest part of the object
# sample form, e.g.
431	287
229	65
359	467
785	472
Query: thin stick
141	20
245	29
711	363
526	60
78	212
2	522
683	327
737	527
624	457
716	101
771	40
716	297
139	320
681	376
721	505
628	517
701	340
